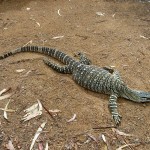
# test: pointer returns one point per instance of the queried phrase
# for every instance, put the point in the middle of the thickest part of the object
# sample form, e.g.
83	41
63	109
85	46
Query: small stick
106	127
47	111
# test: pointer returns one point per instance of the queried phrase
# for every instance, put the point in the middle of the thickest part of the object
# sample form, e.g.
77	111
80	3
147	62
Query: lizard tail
43	50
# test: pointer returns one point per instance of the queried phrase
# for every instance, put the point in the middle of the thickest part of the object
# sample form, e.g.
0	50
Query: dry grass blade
123	146
120	132
38	132
5	96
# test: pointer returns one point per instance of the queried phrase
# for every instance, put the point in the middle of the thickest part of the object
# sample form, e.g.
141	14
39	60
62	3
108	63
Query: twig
48	111
106	127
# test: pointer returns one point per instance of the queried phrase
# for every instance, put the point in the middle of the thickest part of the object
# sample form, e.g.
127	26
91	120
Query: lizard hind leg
61	69
113	109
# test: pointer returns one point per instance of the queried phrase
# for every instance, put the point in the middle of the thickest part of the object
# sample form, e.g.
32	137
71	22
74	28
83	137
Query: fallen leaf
10	145
20	70
59	12
100	13
46	147
123	146
4	91
38	132
5	96
73	118
40	145
92	137
120	132
57	37
55	111
33	111
5	109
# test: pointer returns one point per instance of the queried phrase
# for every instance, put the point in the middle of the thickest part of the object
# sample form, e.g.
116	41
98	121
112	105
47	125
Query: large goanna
97	79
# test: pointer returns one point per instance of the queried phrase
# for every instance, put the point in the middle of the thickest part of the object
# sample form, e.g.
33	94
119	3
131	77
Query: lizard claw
117	119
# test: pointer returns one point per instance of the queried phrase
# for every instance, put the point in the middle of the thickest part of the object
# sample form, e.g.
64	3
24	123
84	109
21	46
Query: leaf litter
33	111
120	132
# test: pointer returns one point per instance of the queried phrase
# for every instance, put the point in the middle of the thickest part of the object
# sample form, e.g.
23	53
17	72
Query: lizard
98	79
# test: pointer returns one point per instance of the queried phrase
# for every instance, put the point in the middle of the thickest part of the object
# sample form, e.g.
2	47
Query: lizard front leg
113	109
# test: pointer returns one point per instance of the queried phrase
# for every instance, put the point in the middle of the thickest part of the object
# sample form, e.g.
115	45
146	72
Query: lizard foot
117	119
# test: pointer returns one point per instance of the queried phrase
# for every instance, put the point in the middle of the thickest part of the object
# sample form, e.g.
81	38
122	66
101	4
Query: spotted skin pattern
102	80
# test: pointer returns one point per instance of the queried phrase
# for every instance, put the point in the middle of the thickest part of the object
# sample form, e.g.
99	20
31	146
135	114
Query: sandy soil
116	36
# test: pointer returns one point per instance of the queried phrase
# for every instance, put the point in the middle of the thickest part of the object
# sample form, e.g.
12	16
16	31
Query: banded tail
64	58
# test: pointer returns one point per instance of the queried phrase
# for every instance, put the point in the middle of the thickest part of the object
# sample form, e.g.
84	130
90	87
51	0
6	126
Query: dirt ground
111	33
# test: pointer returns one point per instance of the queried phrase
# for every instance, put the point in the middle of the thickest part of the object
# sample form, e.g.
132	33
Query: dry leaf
40	146
4	91
59	12
123	146
120	132
144	37
100	13
20	70
38	132
103	138
33	111
5	96
92	137
10	145
73	118
5	109
46	147
28	8
54	111
57	37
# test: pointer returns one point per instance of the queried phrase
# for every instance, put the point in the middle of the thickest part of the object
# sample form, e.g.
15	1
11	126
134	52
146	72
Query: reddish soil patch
119	37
